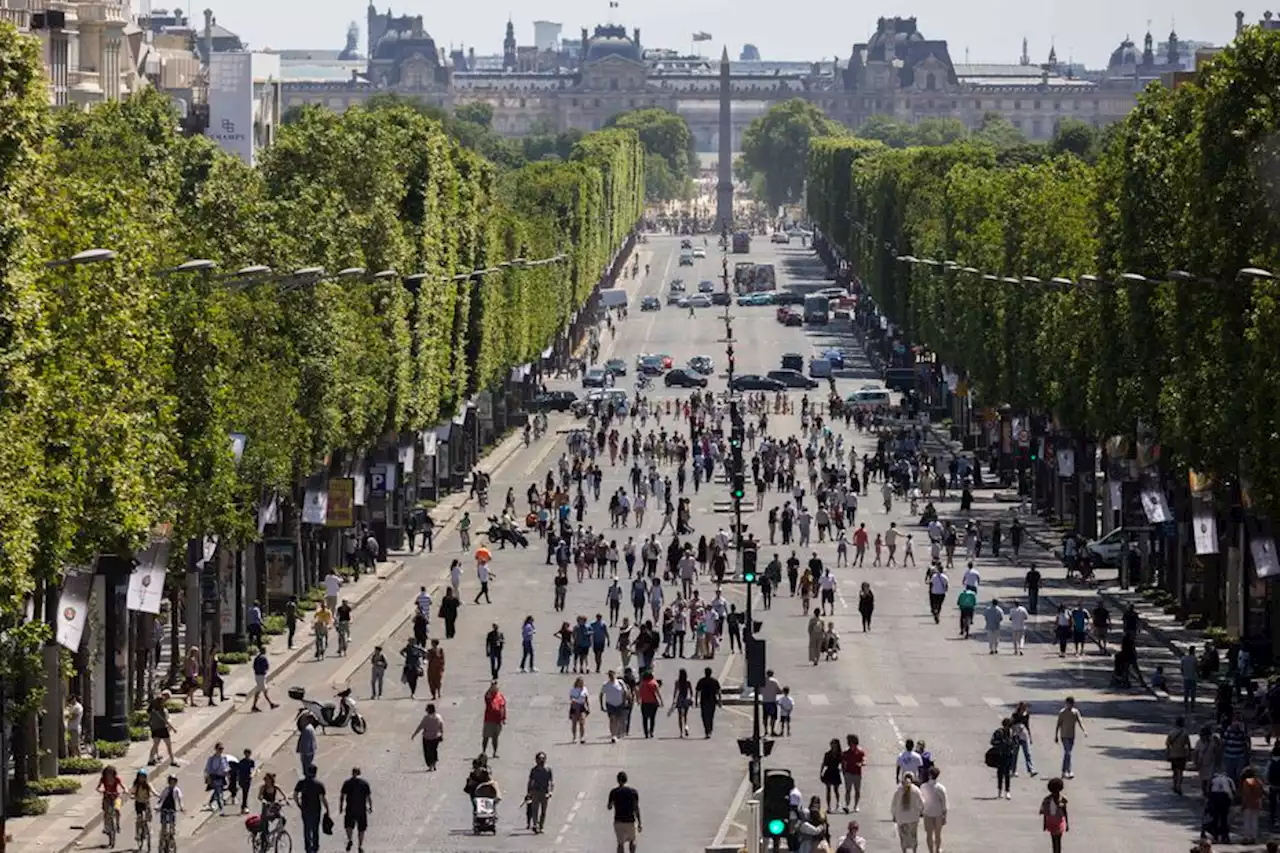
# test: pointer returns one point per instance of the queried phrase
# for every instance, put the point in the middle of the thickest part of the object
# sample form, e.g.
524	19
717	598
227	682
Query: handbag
993	757
326	824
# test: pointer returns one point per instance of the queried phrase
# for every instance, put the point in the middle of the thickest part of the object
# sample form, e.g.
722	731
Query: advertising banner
281	559
231	103
73	606
315	507
1204	521
341	503
146	581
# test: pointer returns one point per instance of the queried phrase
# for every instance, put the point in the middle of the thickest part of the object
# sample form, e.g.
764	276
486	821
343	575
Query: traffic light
775	807
755	649
739	491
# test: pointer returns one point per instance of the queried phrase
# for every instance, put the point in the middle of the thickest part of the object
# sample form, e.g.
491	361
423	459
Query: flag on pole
701	36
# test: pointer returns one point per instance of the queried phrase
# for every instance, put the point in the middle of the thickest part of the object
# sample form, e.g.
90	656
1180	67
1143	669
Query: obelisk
724	188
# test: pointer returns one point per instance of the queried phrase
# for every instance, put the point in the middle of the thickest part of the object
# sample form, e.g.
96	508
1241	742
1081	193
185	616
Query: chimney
208	37
471	59
1239	22
636	38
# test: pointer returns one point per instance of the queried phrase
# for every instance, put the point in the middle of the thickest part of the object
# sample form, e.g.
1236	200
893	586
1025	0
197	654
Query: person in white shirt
935	810
613	699
828	587
482	574
332	585
655	599
908	762
424	602
1018	619
939	583
786	705
908	552
971	578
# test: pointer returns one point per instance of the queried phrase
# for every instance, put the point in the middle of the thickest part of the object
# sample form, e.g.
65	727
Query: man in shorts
355	803
624	802
613	701
851	761
769	700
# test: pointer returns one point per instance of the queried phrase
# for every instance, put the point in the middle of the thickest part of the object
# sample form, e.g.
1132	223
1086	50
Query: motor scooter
335	715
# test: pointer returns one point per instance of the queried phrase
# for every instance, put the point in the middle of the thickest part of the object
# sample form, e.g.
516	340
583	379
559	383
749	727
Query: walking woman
565	653
1022	732
649	695
432	728
191	674
682	701
579	707
435	668
449	612
527	630
412	671
908	807
1053	809
830	772
1003	756
866	605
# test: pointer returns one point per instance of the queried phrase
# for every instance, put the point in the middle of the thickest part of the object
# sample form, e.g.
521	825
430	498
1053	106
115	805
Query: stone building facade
898	72
91	47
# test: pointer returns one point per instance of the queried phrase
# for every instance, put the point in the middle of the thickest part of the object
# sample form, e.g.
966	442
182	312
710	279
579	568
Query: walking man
482	573
1065	733
540	787
706	696
309	797
260	667
994	616
624	802
355	802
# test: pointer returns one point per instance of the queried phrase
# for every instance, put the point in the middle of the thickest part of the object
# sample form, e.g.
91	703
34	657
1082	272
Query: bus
817	308
741	242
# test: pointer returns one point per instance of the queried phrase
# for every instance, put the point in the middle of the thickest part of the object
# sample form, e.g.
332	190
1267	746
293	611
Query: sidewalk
73	820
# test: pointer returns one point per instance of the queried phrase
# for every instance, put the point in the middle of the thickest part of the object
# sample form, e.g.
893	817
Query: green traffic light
777	827
749	577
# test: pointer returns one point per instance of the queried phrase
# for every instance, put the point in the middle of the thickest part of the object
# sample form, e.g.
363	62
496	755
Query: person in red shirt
649	695
495	717
860	544
851	761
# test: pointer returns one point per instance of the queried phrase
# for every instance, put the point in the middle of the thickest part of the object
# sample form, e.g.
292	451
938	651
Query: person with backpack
1177	746
1002	755
967	601
1053	811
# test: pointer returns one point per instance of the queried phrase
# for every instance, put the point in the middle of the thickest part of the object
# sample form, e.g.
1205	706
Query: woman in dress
1053	808
435	668
682	701
907	809
564	655
866	605
830	772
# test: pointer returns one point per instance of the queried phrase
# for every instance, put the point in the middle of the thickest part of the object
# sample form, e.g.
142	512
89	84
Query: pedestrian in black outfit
449	613
706	696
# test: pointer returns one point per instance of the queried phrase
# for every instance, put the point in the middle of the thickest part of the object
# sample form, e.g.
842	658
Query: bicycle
111	819
168	824
142	831
344	632
322	642
276	839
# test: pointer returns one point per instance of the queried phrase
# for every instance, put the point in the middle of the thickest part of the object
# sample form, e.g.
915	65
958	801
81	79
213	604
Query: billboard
341	509
231	103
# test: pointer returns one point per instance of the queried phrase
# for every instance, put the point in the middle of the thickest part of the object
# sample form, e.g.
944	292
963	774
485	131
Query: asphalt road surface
906	678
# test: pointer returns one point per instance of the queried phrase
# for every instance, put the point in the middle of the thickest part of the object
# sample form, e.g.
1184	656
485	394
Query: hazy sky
991	30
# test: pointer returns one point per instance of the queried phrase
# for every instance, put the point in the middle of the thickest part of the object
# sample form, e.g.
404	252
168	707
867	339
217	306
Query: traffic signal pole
737	486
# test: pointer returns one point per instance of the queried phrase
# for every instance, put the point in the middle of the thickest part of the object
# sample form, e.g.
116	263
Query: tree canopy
775	145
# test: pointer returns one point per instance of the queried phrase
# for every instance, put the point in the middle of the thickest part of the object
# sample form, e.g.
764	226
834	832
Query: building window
930	82
930	104
1017	105
1017	122
1075	105
633	103
575	102
977	105
522	103
999	104
1057	105
613	83
1036	128
1036	105
1097	104
954	105
597	103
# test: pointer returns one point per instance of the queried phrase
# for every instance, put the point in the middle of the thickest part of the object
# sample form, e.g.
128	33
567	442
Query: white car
1112	548
699	252
780	237
697	300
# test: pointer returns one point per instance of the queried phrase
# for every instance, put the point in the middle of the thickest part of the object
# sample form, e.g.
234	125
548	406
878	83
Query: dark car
651	303
752	382
686	243
788	297
651	365
702	364
555	401
684	379
719	298
793	379
616	367
793	361
793	318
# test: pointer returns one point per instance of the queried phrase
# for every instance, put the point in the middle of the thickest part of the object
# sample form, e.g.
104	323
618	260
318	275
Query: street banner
268	512
238	440
315	506
1204	521
73	605
146	581
408	453
1067	462
1262	547
360	488
341	503
1154	504
281	559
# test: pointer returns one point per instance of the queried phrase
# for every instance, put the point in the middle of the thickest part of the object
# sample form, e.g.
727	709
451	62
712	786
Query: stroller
484	809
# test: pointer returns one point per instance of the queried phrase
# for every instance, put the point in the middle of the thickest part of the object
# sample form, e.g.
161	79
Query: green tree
998	131
661	132
478	112
1072	136
940	131
888	130
776	146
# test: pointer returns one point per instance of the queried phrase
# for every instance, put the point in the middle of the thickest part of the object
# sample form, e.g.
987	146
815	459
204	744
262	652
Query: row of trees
120	381
775	145
1177	331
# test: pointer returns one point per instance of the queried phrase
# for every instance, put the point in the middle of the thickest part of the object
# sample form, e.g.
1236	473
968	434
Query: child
1158	681
785	706
831	642
908	552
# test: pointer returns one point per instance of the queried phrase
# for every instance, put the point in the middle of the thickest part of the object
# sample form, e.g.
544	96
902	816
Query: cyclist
112	789
142	792
170	800
344	626
320	625
271	798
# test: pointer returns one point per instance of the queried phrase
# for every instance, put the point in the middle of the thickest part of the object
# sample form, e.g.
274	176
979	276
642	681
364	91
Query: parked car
793	379
780	237
651	303
684	379
720	298
616	367
753	382
869	398
555	401
1112	548
595	377
702	364
699	252
793	361
686	243
706	286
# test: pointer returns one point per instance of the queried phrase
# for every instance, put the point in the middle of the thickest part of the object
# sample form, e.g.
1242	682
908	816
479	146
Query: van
819	368
869	398
792	360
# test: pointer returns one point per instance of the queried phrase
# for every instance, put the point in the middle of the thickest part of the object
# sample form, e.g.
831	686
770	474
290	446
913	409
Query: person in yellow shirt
321	624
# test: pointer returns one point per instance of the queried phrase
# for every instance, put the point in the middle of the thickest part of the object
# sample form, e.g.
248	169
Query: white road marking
897	732
864	701
568	820
819	699
907	701
993	701
949	702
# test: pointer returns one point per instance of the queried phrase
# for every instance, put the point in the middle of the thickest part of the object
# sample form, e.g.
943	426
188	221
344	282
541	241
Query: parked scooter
498	533
330	714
